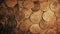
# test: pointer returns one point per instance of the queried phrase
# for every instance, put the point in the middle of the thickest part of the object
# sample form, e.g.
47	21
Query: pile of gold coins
30	16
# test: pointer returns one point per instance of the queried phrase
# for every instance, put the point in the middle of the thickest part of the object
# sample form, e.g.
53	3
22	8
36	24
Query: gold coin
51	31
44	6
43	24
28	4
11	3
58	24
24	26
20	16
34	28
48	15
20	3
27	13
54	6
36	6
36	16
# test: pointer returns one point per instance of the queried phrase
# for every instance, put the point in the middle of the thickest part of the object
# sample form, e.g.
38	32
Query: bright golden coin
11	3
35	28
36	16
48	15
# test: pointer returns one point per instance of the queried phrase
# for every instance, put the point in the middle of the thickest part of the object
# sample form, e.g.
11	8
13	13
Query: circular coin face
11	3
28	4
48	15
34	28
54	6
51	31
43	24
24	26
36	6
36	16
27	13
44	6
20	16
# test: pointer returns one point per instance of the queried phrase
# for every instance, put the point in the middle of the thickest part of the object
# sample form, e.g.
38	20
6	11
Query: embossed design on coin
35	28
36	16
48	15
43	24
24	26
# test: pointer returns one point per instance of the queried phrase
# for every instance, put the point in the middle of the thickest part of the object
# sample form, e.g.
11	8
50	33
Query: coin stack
30	16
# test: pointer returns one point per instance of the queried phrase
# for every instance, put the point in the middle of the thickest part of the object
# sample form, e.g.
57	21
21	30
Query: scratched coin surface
35	28
36	16
11	3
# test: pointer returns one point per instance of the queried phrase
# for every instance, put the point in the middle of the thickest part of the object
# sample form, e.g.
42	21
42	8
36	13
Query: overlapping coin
36	6
11	3
19	16
51	31
34	28
43	24
27	13
36	16
24	26
28	4
48	15
54	6
44	6
50	18
20	3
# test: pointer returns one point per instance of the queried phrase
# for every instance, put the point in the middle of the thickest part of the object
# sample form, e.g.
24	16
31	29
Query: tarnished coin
1	26
58	24
51	31
11	22
27	13
24	26
36	16
28	4
19	16
43	24
11	3
48	15
36	6
34	28
57	13
50	18
54	6
20	3
44	6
